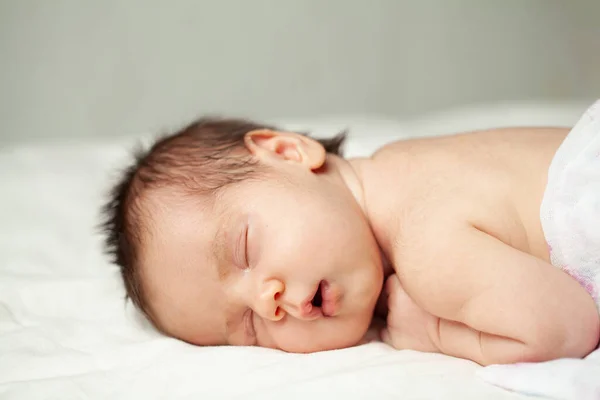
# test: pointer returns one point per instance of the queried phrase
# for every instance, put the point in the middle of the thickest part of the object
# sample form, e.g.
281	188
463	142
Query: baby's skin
443	231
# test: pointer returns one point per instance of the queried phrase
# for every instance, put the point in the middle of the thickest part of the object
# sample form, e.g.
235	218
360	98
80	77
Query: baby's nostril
317	300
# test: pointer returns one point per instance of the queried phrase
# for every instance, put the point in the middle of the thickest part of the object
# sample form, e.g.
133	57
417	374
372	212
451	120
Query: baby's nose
267	305
274	302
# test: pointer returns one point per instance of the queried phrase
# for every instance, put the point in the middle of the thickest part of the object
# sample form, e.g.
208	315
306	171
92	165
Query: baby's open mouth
317	300
324	302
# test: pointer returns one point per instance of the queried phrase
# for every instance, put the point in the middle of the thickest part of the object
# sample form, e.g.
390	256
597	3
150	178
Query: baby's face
286	262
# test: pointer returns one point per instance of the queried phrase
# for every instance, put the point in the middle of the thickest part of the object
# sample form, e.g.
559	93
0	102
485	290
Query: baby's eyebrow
219	248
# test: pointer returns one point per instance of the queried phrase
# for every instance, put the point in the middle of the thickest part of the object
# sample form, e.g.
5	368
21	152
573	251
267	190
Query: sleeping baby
480	245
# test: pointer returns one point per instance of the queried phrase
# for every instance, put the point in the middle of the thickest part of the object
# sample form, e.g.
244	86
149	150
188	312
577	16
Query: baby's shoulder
435	177
478	144
429	189
418	203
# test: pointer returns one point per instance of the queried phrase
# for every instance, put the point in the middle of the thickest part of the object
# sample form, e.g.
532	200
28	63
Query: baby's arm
499	305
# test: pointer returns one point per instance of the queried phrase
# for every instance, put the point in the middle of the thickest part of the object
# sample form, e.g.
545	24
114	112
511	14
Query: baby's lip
307	310
331	299
330	304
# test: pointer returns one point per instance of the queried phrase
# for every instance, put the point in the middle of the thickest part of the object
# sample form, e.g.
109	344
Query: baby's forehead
171	213
178	240
171	206
189	307
179	225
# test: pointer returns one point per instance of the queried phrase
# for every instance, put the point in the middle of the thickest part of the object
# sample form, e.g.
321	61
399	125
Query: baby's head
232	232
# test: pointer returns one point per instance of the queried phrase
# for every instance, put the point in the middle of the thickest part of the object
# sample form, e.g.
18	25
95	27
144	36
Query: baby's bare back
494	180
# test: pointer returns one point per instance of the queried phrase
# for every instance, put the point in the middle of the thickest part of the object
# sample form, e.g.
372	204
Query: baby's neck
351	173
349	170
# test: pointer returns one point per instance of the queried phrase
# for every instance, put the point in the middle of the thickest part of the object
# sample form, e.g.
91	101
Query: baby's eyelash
246	247
240	252
249	324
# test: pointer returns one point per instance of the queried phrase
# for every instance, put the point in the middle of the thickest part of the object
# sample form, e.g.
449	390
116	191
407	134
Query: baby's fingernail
384	335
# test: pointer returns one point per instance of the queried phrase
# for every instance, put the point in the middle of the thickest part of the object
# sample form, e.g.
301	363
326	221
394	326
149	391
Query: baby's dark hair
203	157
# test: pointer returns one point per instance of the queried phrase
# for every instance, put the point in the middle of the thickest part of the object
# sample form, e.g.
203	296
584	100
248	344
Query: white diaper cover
570	211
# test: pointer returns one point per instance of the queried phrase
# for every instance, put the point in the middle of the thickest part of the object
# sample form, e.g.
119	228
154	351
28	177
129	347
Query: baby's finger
386	337
392	283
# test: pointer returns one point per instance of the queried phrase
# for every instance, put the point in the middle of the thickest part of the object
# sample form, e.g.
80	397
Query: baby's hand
407	324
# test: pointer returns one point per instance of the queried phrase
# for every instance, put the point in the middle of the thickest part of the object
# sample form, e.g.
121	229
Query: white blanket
66	333
565	379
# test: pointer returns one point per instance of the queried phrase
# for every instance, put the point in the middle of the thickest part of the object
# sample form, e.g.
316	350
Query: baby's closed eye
249	329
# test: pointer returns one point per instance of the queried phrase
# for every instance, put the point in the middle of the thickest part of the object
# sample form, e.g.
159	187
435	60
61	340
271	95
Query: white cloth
563	379
570	216
570	211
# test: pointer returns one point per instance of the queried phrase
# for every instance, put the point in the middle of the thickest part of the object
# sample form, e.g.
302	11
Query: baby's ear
269	145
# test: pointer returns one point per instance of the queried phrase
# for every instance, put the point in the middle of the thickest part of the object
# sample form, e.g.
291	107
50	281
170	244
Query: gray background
81	69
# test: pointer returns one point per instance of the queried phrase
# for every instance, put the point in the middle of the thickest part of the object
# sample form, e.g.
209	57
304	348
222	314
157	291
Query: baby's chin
361	329
350	334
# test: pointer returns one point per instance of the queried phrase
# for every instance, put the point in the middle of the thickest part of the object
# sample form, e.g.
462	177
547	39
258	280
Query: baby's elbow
583	339
573	339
